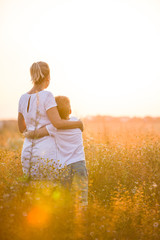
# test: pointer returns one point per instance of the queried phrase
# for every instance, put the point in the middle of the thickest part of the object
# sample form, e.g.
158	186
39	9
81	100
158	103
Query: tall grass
123	161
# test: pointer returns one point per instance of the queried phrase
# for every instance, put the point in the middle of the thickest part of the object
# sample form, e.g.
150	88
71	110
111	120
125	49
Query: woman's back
39	155
33	108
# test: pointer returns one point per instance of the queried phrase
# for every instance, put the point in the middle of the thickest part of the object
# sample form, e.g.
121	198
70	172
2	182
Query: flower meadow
123	162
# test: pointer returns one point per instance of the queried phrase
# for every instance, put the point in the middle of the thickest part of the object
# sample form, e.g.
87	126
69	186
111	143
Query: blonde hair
39	71
63	105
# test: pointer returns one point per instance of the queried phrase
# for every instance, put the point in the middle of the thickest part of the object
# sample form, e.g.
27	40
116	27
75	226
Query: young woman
38	108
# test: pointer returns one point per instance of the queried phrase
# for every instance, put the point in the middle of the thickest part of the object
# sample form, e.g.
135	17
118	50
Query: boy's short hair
63	105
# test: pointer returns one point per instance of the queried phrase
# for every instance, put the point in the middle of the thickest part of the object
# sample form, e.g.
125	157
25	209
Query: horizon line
98	115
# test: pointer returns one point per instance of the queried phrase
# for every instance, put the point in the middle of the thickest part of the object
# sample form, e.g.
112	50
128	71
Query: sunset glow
103	55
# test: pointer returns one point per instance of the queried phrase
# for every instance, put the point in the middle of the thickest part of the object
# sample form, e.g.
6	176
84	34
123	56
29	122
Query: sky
103	54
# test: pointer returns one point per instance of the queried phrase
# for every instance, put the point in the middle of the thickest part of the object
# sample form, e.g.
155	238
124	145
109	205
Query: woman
38	108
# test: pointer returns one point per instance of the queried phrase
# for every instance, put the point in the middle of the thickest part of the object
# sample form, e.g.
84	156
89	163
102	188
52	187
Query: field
123	162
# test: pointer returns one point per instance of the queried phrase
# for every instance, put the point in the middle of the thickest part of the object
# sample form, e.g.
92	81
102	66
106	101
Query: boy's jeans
75	176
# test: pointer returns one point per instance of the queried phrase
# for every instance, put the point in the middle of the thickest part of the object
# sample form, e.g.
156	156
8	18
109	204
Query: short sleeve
50	101
73	119
51	130
20	105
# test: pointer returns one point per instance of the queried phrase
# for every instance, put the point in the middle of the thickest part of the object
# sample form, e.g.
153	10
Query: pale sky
103	54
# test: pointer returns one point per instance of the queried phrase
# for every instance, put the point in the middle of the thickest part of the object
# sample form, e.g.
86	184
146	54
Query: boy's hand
29	134
38	133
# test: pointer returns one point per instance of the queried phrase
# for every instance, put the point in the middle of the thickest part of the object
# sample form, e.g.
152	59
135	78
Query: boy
70	150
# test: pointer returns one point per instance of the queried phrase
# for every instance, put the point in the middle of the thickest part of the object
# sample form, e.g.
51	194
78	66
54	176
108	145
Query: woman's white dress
39	155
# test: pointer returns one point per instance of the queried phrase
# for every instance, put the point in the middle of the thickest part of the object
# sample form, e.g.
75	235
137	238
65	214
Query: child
70	150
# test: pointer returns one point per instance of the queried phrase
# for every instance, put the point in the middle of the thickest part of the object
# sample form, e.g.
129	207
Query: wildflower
6	195
93	225
24	214
37	198
27	193
154	185
156	224
101	227
91	234
12	215
134	190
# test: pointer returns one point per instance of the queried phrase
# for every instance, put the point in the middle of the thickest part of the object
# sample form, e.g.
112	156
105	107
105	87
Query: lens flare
56	195
38	216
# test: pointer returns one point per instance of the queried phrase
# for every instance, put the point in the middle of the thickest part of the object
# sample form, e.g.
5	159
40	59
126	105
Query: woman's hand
81	127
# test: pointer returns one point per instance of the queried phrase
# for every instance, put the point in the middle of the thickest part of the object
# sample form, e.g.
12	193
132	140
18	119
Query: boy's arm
39	133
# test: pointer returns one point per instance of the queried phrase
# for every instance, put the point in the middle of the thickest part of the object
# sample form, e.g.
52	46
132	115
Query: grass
123	161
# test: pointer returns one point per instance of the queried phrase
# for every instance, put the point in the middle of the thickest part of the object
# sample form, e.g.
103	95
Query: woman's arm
21	123
59	123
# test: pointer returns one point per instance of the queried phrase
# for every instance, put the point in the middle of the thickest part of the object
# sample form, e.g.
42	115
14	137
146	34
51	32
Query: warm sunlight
104	55
38	216
80	119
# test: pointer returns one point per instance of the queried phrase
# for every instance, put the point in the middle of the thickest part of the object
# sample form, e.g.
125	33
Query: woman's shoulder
23	96
47	93
22	102
42	95
49	100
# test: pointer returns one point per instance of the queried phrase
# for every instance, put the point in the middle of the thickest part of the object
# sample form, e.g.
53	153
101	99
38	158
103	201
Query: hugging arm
21	123
55	119
39	133
59	123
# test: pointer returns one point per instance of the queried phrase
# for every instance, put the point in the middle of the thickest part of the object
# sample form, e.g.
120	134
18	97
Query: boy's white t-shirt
69	144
